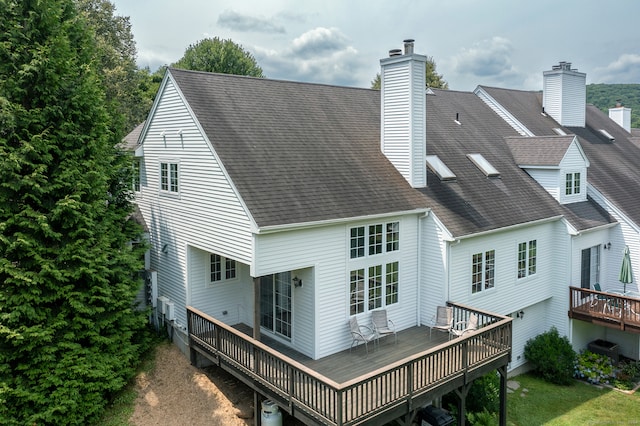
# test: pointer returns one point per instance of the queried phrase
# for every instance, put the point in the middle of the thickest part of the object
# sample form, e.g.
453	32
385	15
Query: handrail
614	307
344	403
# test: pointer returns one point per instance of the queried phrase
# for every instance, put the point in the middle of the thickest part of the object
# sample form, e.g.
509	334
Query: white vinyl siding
207	200
564	97
403	117
320	257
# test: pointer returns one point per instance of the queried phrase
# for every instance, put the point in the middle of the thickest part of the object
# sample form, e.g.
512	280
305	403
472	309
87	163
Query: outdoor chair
600	299
382	325
361	334
463	327
442	320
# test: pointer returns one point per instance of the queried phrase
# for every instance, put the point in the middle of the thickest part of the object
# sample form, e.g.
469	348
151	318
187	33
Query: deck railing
331	403
614	310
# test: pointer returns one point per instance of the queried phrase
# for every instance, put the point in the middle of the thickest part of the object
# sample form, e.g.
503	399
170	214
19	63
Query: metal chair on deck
382	325
442	320
361	334
463	327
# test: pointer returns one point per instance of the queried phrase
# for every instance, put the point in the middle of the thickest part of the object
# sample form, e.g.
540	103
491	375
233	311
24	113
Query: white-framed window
483	269
527	258
221	268
374	239
373	287
572	183
169	177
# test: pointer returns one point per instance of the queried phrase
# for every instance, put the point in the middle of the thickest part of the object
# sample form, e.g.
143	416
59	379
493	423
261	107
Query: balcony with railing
614	310
352	387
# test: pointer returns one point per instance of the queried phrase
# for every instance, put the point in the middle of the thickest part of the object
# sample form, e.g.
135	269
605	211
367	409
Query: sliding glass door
275	303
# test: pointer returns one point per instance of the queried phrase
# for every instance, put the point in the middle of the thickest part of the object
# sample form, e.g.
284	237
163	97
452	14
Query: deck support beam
503	395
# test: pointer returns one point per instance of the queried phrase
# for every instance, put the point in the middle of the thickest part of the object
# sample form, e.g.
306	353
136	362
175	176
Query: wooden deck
607	309
351	388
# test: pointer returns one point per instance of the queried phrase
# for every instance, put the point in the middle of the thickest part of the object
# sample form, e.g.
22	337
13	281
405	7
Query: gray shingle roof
298	152
539	150
613	169
474	203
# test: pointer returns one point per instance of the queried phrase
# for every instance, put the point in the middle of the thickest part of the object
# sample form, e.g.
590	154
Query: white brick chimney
622	116
564	95
403	129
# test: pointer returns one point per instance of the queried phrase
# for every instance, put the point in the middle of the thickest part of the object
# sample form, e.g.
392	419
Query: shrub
484	394
551	357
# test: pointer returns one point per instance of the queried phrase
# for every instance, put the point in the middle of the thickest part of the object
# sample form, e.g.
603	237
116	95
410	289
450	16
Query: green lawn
581	404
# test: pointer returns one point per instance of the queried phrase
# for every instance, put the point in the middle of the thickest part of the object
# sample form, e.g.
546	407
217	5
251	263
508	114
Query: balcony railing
396	387
613	310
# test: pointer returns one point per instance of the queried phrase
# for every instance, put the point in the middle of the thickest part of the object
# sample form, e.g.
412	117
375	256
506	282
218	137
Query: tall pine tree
69	335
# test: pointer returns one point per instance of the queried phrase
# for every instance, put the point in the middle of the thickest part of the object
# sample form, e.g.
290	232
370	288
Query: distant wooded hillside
605	96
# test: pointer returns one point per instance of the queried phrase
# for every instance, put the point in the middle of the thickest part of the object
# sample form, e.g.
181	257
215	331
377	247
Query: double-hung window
221	268
527	256
572	184
169	177
374	273
483	271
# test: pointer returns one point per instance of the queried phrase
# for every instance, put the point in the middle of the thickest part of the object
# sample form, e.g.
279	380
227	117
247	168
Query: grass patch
579	403
120	409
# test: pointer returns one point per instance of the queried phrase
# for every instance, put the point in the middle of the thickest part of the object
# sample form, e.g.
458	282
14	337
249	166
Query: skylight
439	168
607	135
560	131
483	165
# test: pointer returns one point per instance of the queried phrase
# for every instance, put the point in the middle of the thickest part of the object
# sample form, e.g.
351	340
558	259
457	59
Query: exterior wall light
520	314
297	282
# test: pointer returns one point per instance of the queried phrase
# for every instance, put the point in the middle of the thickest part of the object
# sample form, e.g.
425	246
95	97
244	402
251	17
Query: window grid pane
230	269
489	269
375	286
174	177
532	256
476	273
357	242
164	176
393	236
356	290
391	284
375	239
216	272
522	260
576	183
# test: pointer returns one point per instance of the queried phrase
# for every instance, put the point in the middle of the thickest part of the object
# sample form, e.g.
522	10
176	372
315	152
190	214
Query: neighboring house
291	207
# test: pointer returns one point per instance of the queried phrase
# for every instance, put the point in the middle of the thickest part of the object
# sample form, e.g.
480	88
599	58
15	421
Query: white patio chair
463	327
382	325
442	320
361	334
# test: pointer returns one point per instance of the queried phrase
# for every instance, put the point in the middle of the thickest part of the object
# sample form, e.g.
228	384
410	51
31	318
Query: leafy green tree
69	334
432	78
221	56
605	96
127	87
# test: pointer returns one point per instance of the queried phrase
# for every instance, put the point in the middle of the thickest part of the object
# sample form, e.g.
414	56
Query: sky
499	43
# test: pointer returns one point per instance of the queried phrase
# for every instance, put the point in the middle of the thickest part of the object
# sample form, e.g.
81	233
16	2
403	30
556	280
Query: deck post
503	395
256	308
257	413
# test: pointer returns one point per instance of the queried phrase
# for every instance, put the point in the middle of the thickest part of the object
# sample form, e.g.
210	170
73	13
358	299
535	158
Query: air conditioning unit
170	311
162	304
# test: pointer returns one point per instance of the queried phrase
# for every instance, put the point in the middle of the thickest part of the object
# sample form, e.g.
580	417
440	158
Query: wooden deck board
350	364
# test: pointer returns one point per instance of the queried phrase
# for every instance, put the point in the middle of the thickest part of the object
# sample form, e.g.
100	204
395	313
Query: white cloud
319	41
486	58
625	69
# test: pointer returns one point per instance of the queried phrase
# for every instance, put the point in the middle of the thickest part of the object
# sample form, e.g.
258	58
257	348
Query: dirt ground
176	393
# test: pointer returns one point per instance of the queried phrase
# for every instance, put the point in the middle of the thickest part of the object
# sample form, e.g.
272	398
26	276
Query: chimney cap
395	52
408	46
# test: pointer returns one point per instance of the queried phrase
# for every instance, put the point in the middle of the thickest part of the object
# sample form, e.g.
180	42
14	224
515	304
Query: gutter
511	227
315	224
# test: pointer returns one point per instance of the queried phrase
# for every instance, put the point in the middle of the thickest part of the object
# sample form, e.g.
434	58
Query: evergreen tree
69	334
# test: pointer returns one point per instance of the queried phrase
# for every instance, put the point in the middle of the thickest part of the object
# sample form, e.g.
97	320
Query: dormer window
572	184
